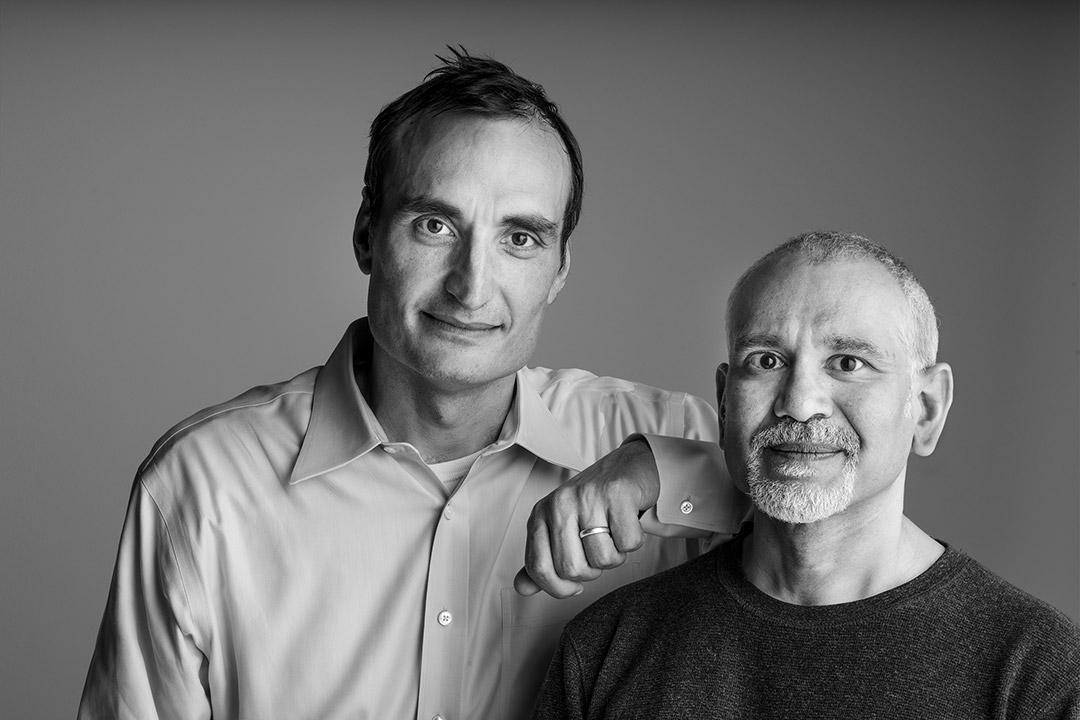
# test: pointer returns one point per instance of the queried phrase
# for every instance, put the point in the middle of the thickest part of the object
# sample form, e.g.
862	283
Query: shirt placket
446	604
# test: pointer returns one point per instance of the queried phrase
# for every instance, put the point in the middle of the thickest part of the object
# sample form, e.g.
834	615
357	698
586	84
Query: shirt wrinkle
175	560
199	419
362	594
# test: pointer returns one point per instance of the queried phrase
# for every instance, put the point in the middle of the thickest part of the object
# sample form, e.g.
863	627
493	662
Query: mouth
805	451
458	324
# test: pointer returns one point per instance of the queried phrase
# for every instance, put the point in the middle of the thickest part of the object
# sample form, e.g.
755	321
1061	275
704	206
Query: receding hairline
828	247
408	138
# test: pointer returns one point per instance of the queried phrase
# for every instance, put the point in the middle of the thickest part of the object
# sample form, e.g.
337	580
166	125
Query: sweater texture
700	641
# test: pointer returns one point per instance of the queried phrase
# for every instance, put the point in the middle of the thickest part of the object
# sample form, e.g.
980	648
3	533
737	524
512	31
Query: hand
611	493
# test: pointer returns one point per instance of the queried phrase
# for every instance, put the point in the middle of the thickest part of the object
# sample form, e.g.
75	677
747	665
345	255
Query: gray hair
820	247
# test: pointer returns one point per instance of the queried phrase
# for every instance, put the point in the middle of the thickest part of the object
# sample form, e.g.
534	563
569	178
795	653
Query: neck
442	423
867	549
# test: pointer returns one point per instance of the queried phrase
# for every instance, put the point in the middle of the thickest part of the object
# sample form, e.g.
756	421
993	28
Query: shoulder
1012	611
626	405
231	436
1031	645
637	609
562	385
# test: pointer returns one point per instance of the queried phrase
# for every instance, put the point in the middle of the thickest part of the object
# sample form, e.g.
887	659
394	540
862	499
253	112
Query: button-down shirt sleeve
697	494
146	664
282	557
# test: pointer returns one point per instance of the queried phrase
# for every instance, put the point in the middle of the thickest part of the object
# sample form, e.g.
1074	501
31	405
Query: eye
522	240
764	360
435	226
846	363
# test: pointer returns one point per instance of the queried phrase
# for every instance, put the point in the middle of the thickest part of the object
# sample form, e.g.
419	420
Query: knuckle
536	522
630	544
537	564
603	561
567	569
562	500
560	594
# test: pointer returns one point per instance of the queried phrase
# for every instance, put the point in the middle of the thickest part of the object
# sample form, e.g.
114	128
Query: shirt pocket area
531	627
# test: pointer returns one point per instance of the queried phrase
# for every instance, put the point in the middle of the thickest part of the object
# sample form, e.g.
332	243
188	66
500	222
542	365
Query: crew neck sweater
701	641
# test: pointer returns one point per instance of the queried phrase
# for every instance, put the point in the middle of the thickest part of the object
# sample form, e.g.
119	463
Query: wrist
639	456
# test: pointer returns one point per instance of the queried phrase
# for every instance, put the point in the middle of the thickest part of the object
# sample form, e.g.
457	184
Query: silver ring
594	531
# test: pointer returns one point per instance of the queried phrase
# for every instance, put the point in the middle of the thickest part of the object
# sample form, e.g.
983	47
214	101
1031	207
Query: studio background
178	185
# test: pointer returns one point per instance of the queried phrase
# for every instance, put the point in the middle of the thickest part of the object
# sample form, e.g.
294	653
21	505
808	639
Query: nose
803	395
470	281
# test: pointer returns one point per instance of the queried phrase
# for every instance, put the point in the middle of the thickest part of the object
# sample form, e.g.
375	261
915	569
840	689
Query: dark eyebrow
424	205
756	339
536	224
836	343
853	345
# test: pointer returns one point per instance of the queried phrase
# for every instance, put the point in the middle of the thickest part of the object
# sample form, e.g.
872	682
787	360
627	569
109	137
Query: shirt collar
343	427
531	425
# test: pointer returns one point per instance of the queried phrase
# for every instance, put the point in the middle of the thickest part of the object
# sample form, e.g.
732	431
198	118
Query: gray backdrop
178	184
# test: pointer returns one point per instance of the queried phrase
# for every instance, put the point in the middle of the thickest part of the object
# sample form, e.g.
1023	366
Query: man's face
465	255
819	407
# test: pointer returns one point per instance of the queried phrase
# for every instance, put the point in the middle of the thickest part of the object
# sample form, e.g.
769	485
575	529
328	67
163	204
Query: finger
539	564
567	555
626	533
600	551
524	584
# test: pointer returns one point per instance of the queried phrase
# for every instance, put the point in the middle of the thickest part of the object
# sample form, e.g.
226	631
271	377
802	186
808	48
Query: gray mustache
816	431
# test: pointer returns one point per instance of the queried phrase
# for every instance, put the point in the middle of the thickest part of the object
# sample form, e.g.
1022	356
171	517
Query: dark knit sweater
700	641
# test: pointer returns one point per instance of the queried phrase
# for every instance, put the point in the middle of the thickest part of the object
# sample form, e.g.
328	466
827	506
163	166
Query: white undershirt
452	472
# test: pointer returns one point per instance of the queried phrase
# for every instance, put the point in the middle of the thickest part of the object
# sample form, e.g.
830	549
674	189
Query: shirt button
687	507
445	618
438	717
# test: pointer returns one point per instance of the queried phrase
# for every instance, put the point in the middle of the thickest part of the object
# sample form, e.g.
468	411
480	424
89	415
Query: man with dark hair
345	544
832	603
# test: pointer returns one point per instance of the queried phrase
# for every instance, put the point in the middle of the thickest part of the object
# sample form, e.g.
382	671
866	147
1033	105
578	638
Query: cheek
404	277
749	405
526	289
746	409
882	419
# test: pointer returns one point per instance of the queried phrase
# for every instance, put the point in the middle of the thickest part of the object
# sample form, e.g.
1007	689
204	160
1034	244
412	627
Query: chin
800	502
456	372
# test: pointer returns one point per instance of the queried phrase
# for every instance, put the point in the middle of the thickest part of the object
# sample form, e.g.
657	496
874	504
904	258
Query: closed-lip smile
460	324
805	450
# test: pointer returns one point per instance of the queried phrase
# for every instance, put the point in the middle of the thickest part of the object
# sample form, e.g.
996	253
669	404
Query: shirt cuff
696	490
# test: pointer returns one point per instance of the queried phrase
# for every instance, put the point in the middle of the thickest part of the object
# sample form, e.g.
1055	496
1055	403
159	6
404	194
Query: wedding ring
594	531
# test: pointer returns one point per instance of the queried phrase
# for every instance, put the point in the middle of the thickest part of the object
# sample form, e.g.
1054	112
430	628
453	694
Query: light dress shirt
282	558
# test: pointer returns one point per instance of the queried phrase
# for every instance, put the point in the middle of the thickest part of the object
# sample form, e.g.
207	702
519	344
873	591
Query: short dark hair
470	84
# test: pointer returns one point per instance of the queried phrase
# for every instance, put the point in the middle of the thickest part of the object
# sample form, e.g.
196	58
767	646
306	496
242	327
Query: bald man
832	603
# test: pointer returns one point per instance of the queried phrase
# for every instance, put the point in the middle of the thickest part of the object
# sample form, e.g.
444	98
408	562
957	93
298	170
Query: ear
361	238
721	386
560	277
933	397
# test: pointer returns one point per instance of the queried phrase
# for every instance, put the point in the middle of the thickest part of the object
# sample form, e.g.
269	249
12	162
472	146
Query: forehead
465	158
794	300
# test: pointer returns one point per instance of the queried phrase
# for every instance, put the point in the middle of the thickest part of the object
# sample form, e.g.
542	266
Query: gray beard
801	501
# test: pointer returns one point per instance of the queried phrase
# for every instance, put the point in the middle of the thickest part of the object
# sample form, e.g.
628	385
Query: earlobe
933	400
362	234
721	386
